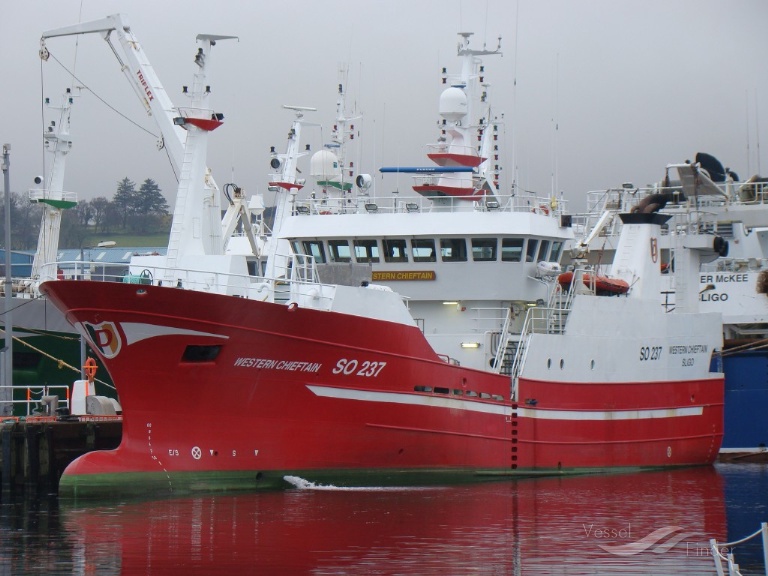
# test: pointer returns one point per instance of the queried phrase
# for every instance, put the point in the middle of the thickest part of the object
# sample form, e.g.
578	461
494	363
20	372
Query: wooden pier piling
36	451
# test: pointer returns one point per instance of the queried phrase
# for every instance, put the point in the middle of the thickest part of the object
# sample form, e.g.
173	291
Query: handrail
363	203
522	351
301	269
294	281
42	391
501	349
733	568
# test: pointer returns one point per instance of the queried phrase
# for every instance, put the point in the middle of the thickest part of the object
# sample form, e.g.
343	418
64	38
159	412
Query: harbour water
646	523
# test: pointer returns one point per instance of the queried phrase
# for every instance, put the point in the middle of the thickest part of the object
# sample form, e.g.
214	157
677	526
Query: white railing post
716	557
733	568
764	528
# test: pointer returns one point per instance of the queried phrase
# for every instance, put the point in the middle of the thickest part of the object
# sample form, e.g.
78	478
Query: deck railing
404	203
37	398
295	279
719	557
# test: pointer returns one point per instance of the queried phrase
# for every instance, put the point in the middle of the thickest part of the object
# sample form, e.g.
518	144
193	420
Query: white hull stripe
458	404
611	414
413	399
136	331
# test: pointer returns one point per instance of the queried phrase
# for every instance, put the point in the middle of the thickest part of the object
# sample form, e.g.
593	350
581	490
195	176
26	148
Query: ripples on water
576	525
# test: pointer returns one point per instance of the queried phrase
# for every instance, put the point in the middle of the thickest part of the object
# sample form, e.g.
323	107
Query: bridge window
530	255
453	249
484	249
395	250
512	249
339	251
557	248
314	248
423	250
366	250
543	250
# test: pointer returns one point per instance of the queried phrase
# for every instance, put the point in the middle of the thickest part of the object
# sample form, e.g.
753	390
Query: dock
36	450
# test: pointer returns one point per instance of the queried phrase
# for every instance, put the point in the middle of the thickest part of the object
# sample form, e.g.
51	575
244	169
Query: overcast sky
630	86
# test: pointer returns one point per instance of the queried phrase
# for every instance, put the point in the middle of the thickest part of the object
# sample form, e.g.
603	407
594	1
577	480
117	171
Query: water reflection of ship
524	527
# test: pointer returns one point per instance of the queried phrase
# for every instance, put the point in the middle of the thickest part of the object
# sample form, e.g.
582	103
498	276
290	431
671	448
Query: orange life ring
90	369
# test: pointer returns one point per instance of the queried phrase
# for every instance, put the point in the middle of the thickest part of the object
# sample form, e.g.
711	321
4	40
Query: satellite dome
453	104
324	165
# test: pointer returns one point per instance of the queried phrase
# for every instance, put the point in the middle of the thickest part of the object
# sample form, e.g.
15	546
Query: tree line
131	210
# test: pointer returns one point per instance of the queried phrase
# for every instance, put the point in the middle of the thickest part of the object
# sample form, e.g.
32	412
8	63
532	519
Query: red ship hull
228	393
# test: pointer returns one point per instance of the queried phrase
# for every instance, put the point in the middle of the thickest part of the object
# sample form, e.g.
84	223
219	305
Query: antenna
757	132
514	96
746	110
555	120
300	108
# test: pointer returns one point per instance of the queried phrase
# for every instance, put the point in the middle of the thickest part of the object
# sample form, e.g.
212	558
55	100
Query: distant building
101	263
21	263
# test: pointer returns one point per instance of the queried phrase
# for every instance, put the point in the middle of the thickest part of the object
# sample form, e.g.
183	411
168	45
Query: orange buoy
90	369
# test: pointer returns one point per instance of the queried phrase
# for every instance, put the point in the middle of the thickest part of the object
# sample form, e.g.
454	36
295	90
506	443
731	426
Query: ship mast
287	186
190	218
52	196
142	78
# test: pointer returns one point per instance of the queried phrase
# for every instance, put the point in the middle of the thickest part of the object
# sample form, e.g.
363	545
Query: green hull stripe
162	484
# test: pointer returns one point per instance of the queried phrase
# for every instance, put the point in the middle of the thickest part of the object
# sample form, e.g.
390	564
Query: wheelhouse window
423	250
314	248
530	254
484	249
543	251
366	250
453	249
254	269
557	248
339	251
395	250
512	249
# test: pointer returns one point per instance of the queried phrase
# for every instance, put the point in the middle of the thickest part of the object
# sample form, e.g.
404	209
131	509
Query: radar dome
453	104
324	165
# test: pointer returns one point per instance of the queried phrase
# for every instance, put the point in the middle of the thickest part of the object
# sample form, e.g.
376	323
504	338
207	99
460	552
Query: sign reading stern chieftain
403	275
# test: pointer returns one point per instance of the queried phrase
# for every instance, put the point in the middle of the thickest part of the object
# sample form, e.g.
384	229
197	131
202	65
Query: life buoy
544	209
90	369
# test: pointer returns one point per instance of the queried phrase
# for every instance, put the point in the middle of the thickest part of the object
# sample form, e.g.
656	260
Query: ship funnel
638	255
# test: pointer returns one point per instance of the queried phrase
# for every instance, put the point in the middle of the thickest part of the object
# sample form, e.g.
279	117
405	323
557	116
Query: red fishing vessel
234	378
